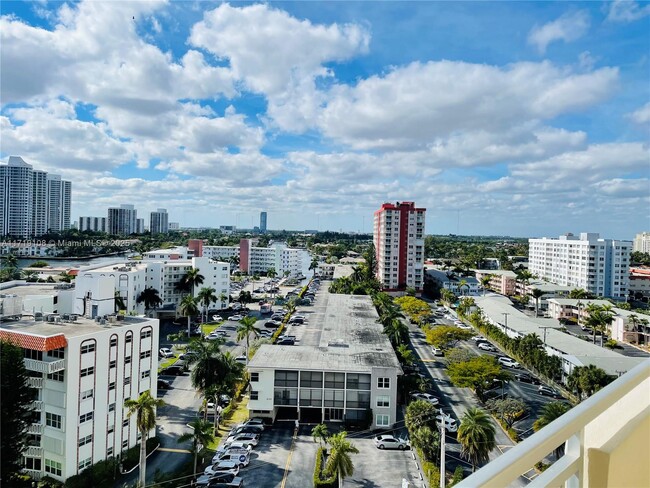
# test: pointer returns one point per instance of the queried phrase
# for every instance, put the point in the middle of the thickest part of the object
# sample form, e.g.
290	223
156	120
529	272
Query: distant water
72	263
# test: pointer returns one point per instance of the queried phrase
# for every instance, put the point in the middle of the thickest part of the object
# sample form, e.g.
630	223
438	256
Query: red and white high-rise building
399	246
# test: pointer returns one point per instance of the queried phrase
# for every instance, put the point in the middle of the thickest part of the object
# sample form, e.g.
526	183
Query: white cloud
641	115
626	11
567	28
625	188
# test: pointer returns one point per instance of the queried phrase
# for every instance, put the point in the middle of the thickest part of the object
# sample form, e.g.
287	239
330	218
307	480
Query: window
311	379
145	354
85	417
111	407
383	401
254	395
87	394
85	440
357	399
145	333
111	429
112	364
33	463
87	371
57	353
129	338
127	380
127	360
358	381
125	444
286	378
58	376
383	382
125	423
32	354
145	374
88	348
109	451
113	341
255	377
111	385
383	420
52	467
311	398
334	398
335	380
53	420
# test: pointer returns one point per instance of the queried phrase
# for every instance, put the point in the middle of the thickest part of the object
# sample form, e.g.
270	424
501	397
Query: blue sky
501	118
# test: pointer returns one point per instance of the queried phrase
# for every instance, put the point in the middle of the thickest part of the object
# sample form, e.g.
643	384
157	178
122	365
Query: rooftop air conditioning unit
112	319
102	322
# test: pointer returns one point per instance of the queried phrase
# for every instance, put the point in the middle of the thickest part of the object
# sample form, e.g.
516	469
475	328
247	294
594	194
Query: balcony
602	437
33	451
35	382
35	429
37	405
47	367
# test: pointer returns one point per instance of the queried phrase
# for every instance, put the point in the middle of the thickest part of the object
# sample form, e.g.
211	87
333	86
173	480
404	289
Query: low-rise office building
350	376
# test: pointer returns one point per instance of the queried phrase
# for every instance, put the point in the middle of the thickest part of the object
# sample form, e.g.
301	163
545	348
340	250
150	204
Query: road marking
288	464
170	449
428	360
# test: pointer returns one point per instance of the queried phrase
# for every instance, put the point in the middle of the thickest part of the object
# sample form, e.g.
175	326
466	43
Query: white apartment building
642	242
58	203
40	202
399	245
95	224
159	222
222	253
122	220
600	266
83	370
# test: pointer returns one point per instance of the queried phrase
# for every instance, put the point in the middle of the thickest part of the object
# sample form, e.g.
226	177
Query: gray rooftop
29	289
350	339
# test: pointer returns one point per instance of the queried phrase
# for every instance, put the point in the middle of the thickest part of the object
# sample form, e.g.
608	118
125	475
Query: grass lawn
239	415
210	326
167	362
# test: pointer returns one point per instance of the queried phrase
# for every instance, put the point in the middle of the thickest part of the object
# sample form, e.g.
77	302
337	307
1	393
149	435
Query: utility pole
545	327
442	452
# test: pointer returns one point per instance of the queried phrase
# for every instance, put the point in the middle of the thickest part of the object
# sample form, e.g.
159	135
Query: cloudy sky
504	118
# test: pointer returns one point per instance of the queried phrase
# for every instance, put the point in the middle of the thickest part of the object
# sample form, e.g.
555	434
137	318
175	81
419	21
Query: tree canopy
444	336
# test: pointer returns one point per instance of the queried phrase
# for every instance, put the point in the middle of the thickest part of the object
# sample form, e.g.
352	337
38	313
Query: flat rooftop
350	339
29	289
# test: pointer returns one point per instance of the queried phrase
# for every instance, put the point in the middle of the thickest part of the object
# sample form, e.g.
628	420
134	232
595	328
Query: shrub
458	475
321	478
131	457
99	475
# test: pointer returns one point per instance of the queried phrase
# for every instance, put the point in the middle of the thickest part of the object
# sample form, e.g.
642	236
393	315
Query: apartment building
82	371
94	224
501	281
122	220
159	222
597	265
32	202
458	285
349	376
642	242
399	245
639	283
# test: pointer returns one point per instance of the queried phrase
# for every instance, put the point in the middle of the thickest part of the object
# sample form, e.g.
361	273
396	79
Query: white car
484	346
390	442
241	358
255	421
236	446
236	317
427	397
251	439
222	467
436	351
479	338
165	352
509	362
217	318
450	422
464	326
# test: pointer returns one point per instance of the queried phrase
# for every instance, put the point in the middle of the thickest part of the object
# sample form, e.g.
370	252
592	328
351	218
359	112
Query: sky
500	118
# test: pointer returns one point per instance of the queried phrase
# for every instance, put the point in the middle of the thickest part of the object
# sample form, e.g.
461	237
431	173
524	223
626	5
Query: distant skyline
505	118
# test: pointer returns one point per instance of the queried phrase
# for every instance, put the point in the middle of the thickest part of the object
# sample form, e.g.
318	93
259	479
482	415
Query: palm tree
201	435
245	329
206	296
461	285
189	309
314	264
150	297
119	301
396	331
549	413
578	293
193	279
536	293
524	276
223	298
598	318
320	433
271	273
485	281
205	357
339	461
145	409
476	436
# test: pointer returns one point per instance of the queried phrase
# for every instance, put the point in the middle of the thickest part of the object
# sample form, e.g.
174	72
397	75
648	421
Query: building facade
122	220
58	203
399	246
263	222
640	283
642	242
82	371
94	224
599	266
159	222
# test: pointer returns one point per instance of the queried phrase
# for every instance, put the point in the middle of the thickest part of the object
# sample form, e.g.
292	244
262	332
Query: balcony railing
44	366
37	405
584	439
35	382
35	429
33	451
33	473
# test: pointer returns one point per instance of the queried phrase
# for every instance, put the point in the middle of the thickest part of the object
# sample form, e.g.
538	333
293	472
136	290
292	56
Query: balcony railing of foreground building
35	382
48	367
35	429
606	442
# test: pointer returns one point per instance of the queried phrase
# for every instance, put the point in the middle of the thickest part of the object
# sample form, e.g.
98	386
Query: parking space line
170	449
288	463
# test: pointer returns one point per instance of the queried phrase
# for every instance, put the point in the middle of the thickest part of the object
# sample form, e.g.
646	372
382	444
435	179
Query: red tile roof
34	342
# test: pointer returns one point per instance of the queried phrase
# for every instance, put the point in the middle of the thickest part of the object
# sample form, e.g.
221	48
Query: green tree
448	297
188	308
192	279
465	305
320	434
587	380
314	264
271	273
206	296
414	308
598	319
536	294
405	354
145	410
150	297
419	414
427	439
339	460
245	329
397	332
444	336
476	435
485	282
548	414
201	435
478	373
15	406
507	409
458	355
463	284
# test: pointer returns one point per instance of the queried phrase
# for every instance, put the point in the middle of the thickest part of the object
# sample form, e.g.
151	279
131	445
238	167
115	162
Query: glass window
311	398
383	401
113	341
255	377
311	379
52	467
286	378
356	381
87	371
125	423
88	348
85	440
145	374
285	396
57	376
57	353
383	420
53	420
254	395
145	354
334	398
383	382
87	394
85	417
357	399
111	407
335	380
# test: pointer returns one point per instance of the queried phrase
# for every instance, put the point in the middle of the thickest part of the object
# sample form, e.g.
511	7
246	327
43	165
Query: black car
164	385
173	370
272	324
286	342
526	378
216	478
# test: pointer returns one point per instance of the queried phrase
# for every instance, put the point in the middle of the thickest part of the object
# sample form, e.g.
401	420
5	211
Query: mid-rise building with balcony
399	246
599	266
81	372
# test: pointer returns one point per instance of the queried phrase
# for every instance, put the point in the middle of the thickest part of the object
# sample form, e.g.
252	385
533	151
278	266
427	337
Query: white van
239	456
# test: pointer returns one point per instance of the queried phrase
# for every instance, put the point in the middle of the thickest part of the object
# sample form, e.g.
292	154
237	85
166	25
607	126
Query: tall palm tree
485	281
189	309
598	319
271	273
578	293
206	358
339	461
206	296
223	298
462	284
549	413
536	293
145	410
201	435
524	276
476	436
396	331
150	297
320	433
314	264
192	279
245	329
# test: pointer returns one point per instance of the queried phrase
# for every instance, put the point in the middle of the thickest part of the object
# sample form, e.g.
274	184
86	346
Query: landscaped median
322	478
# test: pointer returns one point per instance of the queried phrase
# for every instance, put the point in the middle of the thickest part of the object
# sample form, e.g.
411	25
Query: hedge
320	477
131	458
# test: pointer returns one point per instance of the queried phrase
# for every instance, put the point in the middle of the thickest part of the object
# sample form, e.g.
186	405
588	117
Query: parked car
526	378
173	370
390	442
209	480
248	437
464	326
427	397
450	423
277	316
286	342
508	362
235	317
222	467
165	352
265	334
164	385
246	429
241	358
479	338
217	318
256	421
241	457
486	346
436	351
548	391
213	336
234	445
187	356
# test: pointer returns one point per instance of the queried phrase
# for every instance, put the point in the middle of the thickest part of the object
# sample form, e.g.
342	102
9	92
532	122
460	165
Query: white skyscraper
58	203
600	266
642	242
40	206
